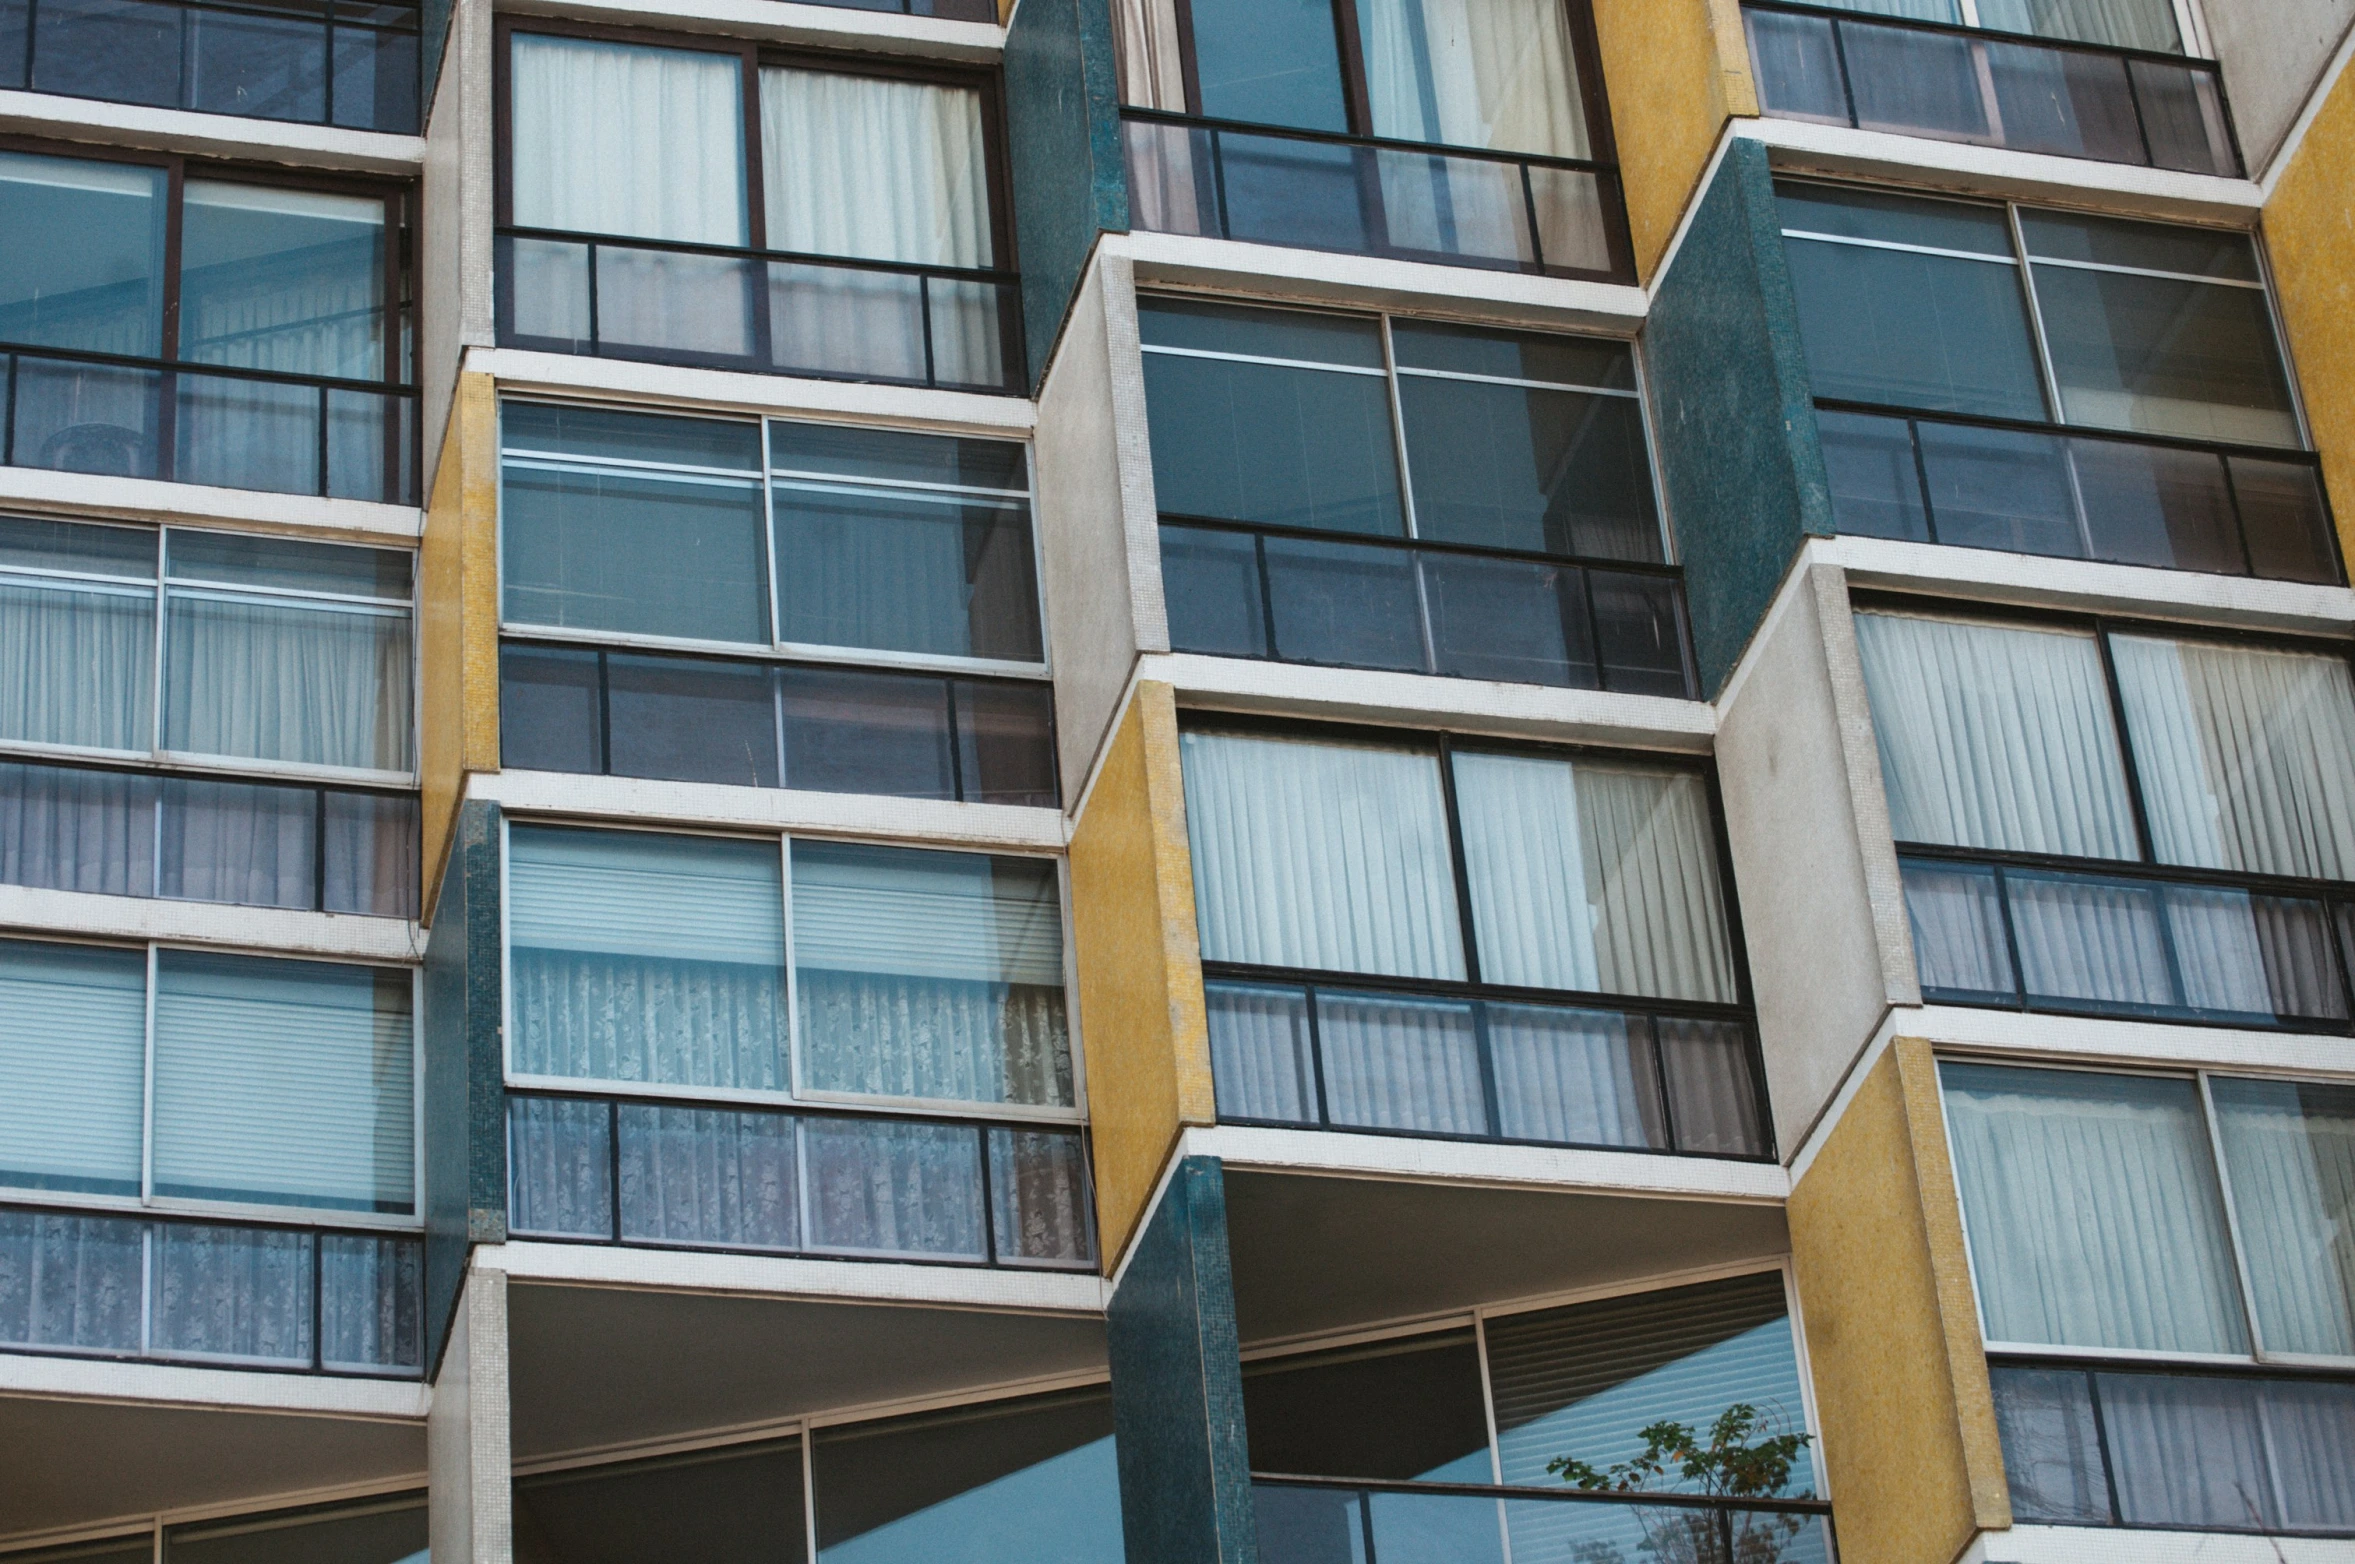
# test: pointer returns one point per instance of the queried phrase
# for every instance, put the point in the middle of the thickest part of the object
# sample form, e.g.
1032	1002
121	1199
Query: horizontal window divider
783	653
525	456
317	602
2295	455
2129	868
836	480
1460	989
724	1099
197	367
227	768
2255	285
2127	1360
700	477
61	581
242	589
42	575
1321	367
202	1213
1378	143
1413	372
1463	1138
1988	34
1662	570
987	274
1558	1494
858	1256
1859	242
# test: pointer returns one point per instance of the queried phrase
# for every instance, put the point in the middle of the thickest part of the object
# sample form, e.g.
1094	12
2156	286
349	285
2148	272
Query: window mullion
2232	1223
1456	858
2052	380
147	1092
2145	844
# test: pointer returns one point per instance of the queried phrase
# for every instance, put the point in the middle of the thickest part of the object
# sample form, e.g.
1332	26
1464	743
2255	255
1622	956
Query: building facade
1187	781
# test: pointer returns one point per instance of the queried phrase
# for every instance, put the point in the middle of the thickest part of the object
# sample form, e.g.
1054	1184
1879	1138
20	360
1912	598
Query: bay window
685	201
2113	821
1437	937
671	997
2053	383
640	540
2166	1281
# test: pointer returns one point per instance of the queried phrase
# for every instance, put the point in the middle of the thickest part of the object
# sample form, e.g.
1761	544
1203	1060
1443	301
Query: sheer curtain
614	138
71	1281
886	569
1332	857
709	1177
77	663
1995	736
1495	74
2246	754
67	829
2290	1149
2093	1210
273	679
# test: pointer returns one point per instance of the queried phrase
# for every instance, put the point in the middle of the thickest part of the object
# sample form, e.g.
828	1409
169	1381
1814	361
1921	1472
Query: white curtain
236	1293
2291	1152
2187	1451
273	679
891	1187
73	1028
1038	1197
1494	74
1402	1064
248	843
2094	1214
63	828
1260	1061
879	568
371	855
2246	754
282	279
371	1302
559	1165
70	1281
2123	24
1151	55
1575	1077
613	138
1995	736
1332	857
709	1177
77	663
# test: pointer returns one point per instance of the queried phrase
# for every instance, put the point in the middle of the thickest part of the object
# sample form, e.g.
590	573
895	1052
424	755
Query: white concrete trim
1423	701
1459	1163
194	504
210	135
636	801
1829	1119
2030	580
1950	1028
1789	590
817	25
170	1384
1366	283
734	391
2117	1545
630	1268
2287	152
1958	168
282	931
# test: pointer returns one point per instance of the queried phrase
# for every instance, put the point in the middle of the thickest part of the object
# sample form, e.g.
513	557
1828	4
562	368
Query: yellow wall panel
458	629
1140	964
1674	71
2310	231
1901	1386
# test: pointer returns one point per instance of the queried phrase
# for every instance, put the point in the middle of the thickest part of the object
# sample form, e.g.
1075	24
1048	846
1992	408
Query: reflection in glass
103	293
1404	1410
740	1504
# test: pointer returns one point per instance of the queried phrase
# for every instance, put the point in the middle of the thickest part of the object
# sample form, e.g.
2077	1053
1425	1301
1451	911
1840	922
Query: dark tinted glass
1347	604
850	732
1914	83
1510	619
66	829
103	292
245	842
1396	1409
637	553
2156	505
892	454
549	705
1210	590
1276	62
685	720
2165	356
1513	355
1712	1095
127	51
2284	521
371	854
1913	330
77	546
733	1506
637	437
2158	247
1798	66
2065	103
1006	743
385	1533
1876	489
2051	1445
2000	488
1638	635
904	571
272	67
289	565
1562	472
16	18
1895	219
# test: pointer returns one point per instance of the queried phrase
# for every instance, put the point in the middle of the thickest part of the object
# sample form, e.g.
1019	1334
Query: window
1411	495
1342	1437
657	967
2156	1230
681	201
146	1082
2205	780
294	299
1359	978
313	64
1993	325
992	1483
373	1531
2097	82
1301	123
902	551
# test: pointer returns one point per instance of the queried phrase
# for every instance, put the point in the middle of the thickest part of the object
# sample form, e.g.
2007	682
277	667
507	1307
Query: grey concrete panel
2273	53
454	226
467	1456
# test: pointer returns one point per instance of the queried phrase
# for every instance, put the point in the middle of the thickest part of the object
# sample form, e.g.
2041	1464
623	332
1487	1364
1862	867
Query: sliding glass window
2115	821
148	1089
2166	1279
1413	495
1393	933
646	970
878	591
2053	383
386	1530
672	199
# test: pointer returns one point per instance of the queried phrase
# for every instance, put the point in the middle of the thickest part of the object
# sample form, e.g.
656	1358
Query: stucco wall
458	623
2310	233
1674	71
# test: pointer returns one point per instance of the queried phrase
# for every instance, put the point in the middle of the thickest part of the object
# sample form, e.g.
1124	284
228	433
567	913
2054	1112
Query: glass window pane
1273	63
2122	24
1038	1197
893	1187
1797	67
1431	76
63	828
249	843
737	1505
2093	944
104	292
280	679
1558	472
1402	1064
1210	589
96	418
2284	522
2093	1211
709	1178
371	1304
1515	620
371	854
270	67
686	720
898	456
125	51
77	658
930	975
1332	857
873	167
272	278
74	1282
2157	505
230	1294
902	570
1876	488
1575	1077
1006	743
287	1082
73	1022
1403	1410
1955	912
638	957
1262	1064
551	705
614	138
2188	1451
1713	1097
2001	488
289	565
1346	605
381	1532
850	732
1008	1482
2051	1445
1996	736
560	1167
2290	1150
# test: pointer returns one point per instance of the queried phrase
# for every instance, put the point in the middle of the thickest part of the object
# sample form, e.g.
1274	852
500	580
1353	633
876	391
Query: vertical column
465	1071
1177	1382
468	1449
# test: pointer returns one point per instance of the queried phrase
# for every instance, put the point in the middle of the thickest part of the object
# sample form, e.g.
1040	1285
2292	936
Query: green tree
1742	1457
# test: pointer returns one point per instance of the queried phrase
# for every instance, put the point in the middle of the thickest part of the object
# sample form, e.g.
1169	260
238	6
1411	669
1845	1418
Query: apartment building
1177	781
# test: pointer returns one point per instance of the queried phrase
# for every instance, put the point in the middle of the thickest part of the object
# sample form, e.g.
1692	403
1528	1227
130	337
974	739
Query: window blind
73	1027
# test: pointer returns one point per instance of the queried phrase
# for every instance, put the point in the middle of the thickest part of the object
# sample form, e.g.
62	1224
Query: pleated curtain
77	663
67	829
623	139
2290	1150
2122	24
274	679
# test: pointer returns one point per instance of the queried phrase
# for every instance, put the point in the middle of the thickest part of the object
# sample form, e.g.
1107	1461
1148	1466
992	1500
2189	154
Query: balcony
347	63
119	1286
1303	1521
760	310
2113	105
1364	195
238	428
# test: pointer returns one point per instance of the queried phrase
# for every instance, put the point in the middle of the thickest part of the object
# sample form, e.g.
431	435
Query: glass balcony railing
2061	935
697	1176
1992	89
760	310
98	1285
1303	596
1413	1061
1303	1521
2126	500
351	63
1365	196
238	428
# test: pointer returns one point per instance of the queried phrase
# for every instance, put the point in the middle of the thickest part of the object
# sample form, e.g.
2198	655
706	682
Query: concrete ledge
165	1384
734	391
276	930
1456	1162
778	21
196	504
2112	1545
1421	700
1950	1028
933	822
210	135
777	1276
